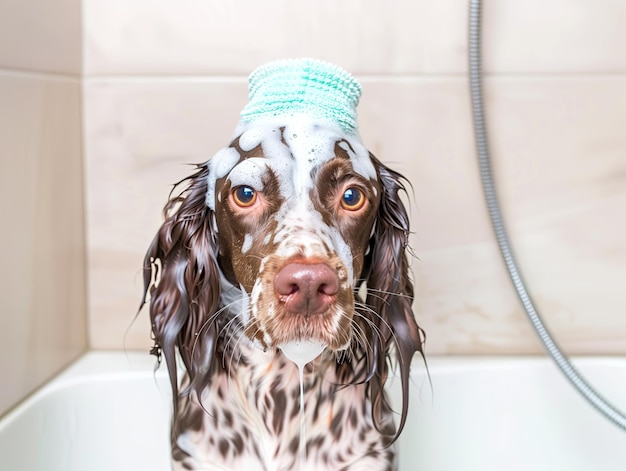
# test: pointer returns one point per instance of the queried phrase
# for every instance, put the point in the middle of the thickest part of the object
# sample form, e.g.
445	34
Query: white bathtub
109	412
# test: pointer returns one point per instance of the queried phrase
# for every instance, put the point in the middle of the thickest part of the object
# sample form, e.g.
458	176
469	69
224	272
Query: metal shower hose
482	148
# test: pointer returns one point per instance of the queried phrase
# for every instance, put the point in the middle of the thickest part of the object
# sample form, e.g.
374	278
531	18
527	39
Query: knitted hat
309	86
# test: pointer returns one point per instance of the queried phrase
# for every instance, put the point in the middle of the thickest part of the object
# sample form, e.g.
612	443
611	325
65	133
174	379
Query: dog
293	235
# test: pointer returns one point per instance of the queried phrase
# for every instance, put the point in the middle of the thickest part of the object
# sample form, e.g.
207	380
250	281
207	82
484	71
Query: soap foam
293	146
219	165
302	352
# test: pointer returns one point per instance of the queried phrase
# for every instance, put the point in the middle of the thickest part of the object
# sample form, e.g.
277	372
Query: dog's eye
244	196
352	199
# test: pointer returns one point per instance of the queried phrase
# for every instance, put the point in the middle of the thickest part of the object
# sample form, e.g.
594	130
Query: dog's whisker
382	319
236	351
365	342
231	334
206	324
379	292
362	336
375	315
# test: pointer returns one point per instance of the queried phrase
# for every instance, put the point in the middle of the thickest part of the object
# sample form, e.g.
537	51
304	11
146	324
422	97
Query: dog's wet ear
390	293
182	282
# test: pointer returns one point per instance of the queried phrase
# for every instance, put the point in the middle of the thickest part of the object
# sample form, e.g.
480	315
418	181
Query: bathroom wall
164	83
42	250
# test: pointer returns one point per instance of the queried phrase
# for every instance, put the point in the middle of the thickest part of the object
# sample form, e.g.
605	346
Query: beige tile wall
165	81
42	273
43	36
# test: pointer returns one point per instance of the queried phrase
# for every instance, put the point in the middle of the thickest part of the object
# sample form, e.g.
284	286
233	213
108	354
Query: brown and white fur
293	232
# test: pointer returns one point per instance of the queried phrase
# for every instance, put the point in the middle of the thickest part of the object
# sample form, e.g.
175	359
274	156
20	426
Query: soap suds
302	352
219	165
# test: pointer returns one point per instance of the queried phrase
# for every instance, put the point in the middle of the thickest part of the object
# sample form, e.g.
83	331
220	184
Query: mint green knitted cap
309	86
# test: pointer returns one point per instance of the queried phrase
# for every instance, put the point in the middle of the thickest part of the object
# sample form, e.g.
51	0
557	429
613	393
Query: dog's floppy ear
182	282
390	293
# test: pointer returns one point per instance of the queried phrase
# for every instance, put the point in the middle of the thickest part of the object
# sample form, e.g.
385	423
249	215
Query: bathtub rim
103	365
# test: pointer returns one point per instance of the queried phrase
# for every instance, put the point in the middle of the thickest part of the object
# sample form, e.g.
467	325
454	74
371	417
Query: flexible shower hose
482	148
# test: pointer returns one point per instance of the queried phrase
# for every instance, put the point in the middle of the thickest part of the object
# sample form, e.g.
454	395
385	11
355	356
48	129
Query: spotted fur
223	280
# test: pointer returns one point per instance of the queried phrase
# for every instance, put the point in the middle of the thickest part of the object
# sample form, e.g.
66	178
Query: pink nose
306	288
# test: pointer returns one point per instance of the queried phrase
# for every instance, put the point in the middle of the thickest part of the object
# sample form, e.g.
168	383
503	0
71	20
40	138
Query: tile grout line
42	75
242	78
397	78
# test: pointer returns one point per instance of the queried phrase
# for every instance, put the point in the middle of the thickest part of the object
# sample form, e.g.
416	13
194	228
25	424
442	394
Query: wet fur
230	388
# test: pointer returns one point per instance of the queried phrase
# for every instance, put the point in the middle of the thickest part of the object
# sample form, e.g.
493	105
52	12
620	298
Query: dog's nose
306	288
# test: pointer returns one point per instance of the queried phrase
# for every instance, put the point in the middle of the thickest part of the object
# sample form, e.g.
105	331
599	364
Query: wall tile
199	37
212	37
194	37
42	297
41	35
557	37
559	149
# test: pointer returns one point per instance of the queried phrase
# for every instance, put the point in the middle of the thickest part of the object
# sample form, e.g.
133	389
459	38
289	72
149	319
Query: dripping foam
301	353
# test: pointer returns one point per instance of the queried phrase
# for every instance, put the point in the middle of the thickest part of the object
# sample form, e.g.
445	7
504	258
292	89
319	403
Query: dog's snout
306	288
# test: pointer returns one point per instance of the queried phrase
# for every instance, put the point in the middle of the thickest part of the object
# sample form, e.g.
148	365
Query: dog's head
294	232
294	213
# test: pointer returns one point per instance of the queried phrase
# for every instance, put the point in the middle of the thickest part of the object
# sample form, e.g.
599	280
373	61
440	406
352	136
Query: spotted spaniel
294	233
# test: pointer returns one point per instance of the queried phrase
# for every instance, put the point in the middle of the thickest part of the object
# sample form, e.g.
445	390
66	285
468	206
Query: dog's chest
252	420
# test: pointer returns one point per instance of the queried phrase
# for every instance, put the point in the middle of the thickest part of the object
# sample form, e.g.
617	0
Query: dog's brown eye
244	196
352	199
